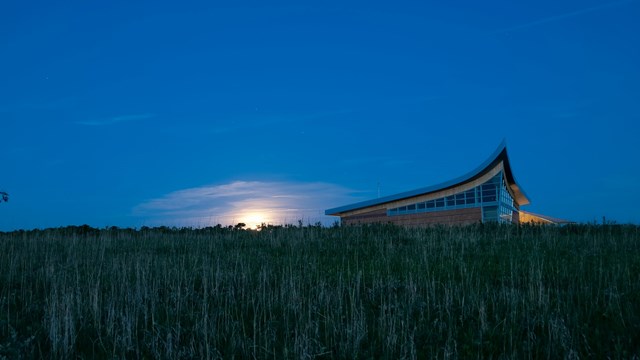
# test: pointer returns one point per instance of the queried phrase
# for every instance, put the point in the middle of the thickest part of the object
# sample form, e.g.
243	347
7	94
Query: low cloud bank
249	202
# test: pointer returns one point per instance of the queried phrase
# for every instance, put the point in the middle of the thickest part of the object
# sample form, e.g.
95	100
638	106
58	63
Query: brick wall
447	217
377	216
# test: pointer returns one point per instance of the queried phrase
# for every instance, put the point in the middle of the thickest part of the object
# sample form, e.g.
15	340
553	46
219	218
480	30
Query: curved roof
500	154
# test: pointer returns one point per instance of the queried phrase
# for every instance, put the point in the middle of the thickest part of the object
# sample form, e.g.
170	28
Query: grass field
311	292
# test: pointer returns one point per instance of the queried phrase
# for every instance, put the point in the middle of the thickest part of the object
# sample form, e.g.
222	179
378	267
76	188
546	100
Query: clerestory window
493	196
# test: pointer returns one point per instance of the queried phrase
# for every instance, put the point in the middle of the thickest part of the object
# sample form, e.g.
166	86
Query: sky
149	113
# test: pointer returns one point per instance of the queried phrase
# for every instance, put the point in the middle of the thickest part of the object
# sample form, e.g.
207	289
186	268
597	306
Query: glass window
470	196
460	199
411	207
488	193
506	215
440	202
402	208
421	206
431	204
490	213
495	179
451	200
488	187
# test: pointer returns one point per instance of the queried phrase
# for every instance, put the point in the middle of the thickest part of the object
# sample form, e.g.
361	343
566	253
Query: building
529	217
489	193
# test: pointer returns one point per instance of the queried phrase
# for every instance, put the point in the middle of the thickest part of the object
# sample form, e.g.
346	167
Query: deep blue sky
191	113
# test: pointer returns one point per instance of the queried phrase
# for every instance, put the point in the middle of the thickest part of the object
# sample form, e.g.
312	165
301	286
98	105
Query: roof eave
500	154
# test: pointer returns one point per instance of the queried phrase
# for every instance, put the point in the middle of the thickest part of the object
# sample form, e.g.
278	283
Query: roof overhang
534	218
499	155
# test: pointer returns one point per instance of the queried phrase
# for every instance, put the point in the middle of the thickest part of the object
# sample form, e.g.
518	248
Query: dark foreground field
383	292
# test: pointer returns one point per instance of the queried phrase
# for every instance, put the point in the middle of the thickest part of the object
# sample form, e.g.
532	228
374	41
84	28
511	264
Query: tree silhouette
4	196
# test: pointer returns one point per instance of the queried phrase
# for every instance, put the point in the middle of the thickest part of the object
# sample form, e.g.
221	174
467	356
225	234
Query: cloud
115	120
562	16
250	202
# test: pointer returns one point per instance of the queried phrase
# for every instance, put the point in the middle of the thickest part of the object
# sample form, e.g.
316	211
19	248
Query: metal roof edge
521	195
478	171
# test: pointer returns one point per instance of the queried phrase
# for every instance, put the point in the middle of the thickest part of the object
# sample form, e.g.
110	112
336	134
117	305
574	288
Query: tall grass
343	292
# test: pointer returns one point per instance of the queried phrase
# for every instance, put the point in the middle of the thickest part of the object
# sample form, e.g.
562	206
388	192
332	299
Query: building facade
489	193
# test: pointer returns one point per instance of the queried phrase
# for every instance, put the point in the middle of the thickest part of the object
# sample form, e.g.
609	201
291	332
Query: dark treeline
573	228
